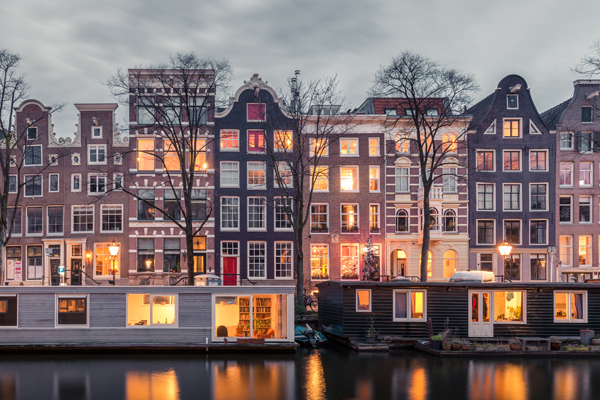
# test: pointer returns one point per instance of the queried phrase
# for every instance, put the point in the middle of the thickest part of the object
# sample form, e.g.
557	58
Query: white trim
357	304
348	142
408	292
72	296
568	320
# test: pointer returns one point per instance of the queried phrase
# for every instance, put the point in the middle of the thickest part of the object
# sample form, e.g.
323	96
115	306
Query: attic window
586	114
432	112
533	129
32	133
492	129
390	111
409	112
512	102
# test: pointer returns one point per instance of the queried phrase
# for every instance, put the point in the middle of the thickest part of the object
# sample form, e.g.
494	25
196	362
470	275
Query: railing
243	280
435	193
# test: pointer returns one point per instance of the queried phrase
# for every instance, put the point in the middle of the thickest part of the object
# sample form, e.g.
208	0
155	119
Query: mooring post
430	326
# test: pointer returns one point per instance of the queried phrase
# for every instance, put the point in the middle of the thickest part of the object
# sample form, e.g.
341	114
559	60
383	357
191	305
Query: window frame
357	302
356	226
531	196
81	208
348	143
591	111
261	265
257	134
26	155
520	234
278	203
49	224
313	145
355	178
569	319
567	138
523	308
591	174
326	214
41	216
511	194
535	151
484	153
151	325
277	259
520	160
235	213
512	96
408	293
75	177
228	140
589	205
58	298
547	228
485	194
95	148
99	177
371	147
36	181
236	170
374	217
108	208
493	228
261	110
320	246
321	177
570	205
257	172
257	209
569	170
510	120
50	176
377	179
281	137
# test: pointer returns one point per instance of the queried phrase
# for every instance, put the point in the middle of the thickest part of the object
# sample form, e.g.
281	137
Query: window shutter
596	144
577	141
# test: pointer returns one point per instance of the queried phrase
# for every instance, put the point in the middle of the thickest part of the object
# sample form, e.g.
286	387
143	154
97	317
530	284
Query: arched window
450	263
401	221
433	220
429	263
450	221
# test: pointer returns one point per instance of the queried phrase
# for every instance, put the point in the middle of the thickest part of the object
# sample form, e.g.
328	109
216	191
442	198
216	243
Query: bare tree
175	101
14	146
589	64
314	125
435	97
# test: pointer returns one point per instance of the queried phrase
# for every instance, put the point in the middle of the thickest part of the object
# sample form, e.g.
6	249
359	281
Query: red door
229	271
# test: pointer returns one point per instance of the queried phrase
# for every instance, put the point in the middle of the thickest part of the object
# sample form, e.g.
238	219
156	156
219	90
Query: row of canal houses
516	175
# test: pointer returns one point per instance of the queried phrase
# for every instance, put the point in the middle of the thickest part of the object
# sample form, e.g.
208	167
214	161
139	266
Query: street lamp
505	249
114	251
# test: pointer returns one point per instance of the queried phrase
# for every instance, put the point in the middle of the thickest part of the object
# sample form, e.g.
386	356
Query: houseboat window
509	306
409	305
72	310
570	306
8	310
151	310
260	316
363	300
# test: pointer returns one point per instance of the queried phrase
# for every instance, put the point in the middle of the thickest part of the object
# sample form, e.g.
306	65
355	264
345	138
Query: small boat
307	335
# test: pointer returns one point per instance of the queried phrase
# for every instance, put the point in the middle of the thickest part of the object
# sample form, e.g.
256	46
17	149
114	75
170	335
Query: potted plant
555	343
465	345
436	341
371	332
455	345
515	343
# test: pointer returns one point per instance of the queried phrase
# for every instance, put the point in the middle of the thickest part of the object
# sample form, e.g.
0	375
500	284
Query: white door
480	321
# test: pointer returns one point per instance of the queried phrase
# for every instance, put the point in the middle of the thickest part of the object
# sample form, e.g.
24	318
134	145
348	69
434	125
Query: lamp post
505	249
114	251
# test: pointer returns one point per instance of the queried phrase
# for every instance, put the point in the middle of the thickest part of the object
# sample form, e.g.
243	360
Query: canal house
475	310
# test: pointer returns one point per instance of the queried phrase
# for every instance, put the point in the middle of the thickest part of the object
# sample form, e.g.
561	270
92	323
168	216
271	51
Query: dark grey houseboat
402	309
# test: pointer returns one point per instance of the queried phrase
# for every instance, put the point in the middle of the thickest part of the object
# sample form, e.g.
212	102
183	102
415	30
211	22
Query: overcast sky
70	47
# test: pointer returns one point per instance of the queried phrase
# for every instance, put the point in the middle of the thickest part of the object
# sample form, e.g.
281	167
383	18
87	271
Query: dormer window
96	132
432	112
512	102
390	112
586	114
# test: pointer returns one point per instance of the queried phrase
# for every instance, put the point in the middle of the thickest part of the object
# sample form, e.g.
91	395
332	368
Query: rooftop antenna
295	93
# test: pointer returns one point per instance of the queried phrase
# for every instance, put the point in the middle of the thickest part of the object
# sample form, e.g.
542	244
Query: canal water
326	373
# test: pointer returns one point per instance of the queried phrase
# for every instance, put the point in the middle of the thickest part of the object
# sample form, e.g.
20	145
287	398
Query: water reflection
325	373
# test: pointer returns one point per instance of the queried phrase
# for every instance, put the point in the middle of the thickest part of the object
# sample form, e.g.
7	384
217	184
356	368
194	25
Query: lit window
570	306
319	216
450	263
8	306
403	145
319	262
565	250
283	141
348	179
319	147
449	221
256	141
171	158
283	174
585	173
449	143
230	140
349	261
401	221
145	159
349	218
363	300
256	112
349	147
146	310
374	218
199	155
145	255
320	178
512	128
509	306
373	147
103	261
373	179
410	305
72	310
585	251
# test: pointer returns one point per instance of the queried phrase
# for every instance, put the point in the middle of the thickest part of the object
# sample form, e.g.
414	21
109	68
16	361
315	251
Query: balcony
436	193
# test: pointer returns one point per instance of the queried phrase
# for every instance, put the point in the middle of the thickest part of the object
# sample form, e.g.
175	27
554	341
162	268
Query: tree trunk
299	269
426	231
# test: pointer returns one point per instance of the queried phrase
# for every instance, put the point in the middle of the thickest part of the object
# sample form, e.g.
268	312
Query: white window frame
355	181
41	155
571	206
520	232
229	149
87	206
590	247
235	164
547	232
375	167
109	207
520	128
291	258
569	320
408	293
591	171
48	221
378	214
520	152
150	324
511	95
570	246
275	215
11	177
399	178
523	309
264	268
348	142
73	176
567	135
378	153
285	173
313	141
357	303
570	174
264	171
94	128
30	181
493	160
50	183
27	233
89	185
96	147
546	160
326	245
264	117
326	214
531	196
237	206
357	223
520	200
493	185
493	231
320	177
591	114
118	178
589	205
589	138
58	297
263	221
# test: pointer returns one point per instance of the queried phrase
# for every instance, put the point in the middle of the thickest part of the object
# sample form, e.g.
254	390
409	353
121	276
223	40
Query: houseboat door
230	271
480	322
